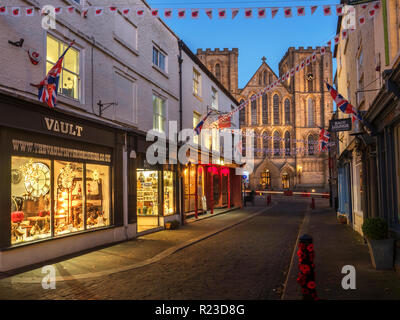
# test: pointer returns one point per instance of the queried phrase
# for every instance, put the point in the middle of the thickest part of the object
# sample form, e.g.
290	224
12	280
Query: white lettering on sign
63	127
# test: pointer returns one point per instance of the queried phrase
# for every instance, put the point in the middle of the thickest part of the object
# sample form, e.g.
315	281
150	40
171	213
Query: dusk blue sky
254	37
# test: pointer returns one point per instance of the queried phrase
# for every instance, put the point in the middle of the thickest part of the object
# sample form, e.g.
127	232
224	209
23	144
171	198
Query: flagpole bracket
105	106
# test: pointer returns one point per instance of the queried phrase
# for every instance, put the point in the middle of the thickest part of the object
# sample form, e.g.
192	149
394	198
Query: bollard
312	203
306	277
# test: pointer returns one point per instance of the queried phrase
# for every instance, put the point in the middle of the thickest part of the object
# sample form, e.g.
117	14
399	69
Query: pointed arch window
287	111
264	102
277	143
310	113
265	180
218	71
253	110
287	143
276	109
242	114
265	143
312	144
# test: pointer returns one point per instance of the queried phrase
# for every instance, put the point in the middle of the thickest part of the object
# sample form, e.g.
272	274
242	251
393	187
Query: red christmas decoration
306	277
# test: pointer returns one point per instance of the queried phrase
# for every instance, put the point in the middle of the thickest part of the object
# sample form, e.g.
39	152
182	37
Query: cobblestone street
248	261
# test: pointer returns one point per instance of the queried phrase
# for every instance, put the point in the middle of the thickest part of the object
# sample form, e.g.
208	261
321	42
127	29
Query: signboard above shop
340	125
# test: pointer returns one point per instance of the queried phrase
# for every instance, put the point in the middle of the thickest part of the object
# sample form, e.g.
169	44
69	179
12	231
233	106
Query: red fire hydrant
312	203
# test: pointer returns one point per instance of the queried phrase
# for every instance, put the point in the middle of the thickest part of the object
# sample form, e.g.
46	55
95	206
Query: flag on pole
199	126
49	86
343	104
323	140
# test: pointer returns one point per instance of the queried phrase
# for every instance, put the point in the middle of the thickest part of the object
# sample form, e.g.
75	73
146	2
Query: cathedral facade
286	120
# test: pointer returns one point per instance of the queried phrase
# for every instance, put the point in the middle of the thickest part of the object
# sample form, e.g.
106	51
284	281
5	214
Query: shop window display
30	199
147	192
97	196
68	197
169	193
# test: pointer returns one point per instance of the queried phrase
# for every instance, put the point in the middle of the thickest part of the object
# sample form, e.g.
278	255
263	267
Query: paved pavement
246	261
337	245
243	254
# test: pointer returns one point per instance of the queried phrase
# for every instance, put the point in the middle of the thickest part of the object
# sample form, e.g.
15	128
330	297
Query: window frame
196	83
159	53
79	65
156	114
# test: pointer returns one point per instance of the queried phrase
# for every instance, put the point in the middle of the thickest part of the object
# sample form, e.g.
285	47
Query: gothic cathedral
286	120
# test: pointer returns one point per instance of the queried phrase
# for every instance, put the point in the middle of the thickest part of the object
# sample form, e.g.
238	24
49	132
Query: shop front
61	190
156	190
208	187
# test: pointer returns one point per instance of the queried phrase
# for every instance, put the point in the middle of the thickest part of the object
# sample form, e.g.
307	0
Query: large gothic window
287	111
312	144
218	71
253	110
277	143
310	113
242	114
264	109
287	143
265	143
276	109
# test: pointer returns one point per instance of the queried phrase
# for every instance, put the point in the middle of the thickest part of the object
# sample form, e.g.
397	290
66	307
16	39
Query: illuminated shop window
30	199
169	207
69	84
32	214
147	193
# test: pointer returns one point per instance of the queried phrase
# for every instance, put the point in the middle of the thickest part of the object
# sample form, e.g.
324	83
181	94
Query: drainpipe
385	31
180	180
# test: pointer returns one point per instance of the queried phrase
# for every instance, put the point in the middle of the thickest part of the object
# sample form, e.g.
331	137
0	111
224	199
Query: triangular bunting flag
125	11
234	13
167	13
98	11
248	13
344	34
209	13
58	10
139	12
194	13
15	11
112	9
3	10
181	13
274	11
71	9
371	13
361	20
262	13
84	13
287	12
336	39
322	50
301	11
313	8
29	12
222	13
339	9
327	10
154	12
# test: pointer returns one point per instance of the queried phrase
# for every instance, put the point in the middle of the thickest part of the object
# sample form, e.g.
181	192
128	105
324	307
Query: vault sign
340	125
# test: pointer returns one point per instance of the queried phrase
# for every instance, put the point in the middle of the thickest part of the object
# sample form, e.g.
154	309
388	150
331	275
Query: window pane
30	199
276	109
71	60
162	61
169	207
155	56
69	85
147	193
98	196
68	199
53	52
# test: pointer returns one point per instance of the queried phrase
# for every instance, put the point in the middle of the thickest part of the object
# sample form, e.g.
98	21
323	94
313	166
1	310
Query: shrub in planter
379	244
172	225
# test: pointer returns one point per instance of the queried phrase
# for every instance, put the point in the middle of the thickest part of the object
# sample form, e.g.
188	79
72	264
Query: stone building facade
286	121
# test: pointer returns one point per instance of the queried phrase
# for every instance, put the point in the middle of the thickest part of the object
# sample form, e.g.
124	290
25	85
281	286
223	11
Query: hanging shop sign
340	125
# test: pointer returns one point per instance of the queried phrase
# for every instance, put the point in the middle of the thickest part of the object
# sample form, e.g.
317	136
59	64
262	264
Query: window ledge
160	71
126	45
197	97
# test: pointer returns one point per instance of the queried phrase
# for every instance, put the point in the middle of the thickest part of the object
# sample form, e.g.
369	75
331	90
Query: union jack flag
201	123
343	104
324	137
49	86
